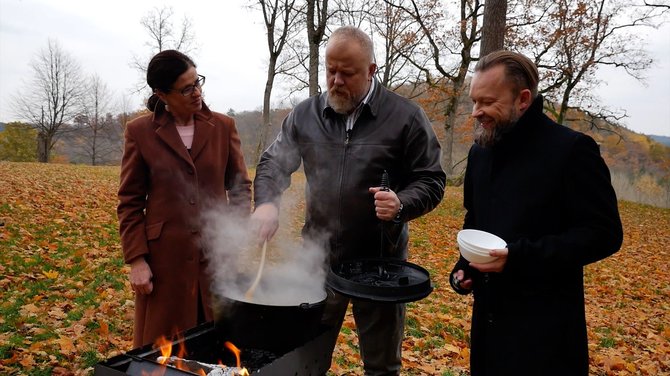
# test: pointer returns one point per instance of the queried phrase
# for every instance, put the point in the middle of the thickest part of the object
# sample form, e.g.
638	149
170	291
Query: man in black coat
546	191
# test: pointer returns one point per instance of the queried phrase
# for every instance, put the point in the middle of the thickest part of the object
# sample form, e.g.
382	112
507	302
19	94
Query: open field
66	303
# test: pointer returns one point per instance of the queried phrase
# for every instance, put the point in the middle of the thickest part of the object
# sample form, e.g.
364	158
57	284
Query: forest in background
640	165
424	50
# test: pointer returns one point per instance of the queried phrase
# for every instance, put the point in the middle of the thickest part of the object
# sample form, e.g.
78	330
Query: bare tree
163	35
392	32
51	99
399	40
352	12
95	124
446	56
390	29
664	6
280	19
576	37
316	18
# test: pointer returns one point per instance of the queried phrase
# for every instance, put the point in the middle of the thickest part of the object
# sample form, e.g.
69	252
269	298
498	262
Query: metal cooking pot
276	328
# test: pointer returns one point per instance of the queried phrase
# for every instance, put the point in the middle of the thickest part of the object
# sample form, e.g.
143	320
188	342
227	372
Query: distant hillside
665	140
640	164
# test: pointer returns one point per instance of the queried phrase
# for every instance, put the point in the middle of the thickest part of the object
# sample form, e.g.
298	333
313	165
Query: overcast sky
103	36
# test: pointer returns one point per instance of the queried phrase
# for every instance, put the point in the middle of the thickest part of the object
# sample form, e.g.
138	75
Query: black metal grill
205	343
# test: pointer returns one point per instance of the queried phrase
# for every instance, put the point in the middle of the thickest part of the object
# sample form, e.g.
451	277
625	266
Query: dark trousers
380	328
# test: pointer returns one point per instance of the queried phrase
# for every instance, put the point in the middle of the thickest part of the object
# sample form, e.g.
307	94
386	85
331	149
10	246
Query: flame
236	352
181	353
165	348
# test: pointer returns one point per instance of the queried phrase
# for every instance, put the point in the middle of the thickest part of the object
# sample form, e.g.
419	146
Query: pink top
186	133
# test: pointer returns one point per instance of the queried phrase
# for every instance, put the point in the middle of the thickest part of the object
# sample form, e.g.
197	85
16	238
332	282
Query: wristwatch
397	216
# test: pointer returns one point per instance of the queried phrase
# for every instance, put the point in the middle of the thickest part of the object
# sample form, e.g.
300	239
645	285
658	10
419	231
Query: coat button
190	171
192	201
194	230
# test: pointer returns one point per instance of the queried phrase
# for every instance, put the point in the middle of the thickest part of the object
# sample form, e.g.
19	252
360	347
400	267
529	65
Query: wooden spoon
249	294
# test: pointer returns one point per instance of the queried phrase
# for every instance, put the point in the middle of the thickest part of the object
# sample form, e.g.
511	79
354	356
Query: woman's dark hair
163	70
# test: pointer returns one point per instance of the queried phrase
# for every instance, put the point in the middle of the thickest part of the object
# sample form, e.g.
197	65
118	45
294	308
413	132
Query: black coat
546	191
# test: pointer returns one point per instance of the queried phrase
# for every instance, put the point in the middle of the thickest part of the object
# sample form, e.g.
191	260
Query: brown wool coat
164	189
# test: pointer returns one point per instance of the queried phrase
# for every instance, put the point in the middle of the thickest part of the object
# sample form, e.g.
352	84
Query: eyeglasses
188	90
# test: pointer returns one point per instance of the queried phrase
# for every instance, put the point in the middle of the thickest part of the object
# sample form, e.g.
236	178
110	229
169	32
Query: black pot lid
380	280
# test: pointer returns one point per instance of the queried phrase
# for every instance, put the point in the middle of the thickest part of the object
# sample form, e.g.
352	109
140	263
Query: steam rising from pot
294	272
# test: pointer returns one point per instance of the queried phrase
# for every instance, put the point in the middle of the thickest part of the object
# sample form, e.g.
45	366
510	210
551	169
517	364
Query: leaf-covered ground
66	303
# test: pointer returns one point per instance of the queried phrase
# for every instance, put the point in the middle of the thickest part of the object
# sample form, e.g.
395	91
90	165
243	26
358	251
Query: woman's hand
141	276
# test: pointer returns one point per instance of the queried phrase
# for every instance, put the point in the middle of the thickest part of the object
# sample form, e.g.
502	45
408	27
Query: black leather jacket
392	134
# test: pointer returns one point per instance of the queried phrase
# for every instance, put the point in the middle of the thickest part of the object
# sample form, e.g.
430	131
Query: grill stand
205	344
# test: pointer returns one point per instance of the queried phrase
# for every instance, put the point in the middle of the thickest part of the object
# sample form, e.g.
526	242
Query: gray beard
342	104
488	138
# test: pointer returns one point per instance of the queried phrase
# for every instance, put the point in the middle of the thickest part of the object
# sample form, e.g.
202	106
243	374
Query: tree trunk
265	123
468	33
493	26
94	145
313	69
449	124
315	33
42	147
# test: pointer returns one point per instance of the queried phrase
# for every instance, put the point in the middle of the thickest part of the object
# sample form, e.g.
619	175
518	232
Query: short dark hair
163	71
519	69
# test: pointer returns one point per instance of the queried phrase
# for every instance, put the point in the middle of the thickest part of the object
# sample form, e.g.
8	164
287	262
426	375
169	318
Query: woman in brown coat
177	162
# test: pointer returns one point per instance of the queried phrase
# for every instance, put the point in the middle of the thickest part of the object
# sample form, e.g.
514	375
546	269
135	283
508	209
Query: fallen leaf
57	313
614	363
28	361
103	330
29	309
452	348
51	274
11	360
66	346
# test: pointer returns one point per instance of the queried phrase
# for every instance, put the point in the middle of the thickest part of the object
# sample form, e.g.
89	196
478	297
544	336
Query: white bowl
475	245
471	249
480	240
475	256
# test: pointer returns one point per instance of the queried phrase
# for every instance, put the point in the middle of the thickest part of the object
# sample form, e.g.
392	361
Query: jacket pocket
153	231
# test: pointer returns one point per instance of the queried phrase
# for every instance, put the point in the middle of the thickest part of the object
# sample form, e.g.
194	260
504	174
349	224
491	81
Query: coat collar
166	130
527	120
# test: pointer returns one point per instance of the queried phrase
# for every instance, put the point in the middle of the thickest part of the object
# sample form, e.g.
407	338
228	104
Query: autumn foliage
66	302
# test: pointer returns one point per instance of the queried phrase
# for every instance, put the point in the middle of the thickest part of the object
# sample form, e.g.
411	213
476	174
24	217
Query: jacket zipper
347	138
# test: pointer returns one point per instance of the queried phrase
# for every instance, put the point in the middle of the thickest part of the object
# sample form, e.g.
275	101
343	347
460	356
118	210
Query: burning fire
202	369
235	351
